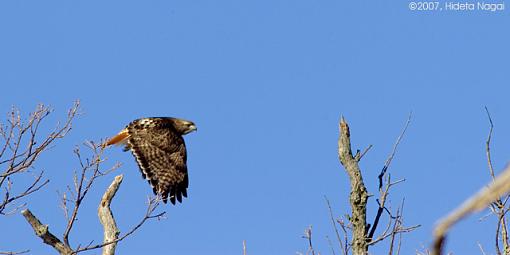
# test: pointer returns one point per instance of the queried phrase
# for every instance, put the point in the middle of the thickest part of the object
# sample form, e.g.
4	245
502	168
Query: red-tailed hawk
160	152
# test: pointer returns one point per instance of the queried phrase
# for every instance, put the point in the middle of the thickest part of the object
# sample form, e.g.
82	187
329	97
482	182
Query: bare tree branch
488	196
83	181
330	244
13	252
481	249
398	229
359	156
499	207
395	227
499	187
21	144
308	237
342	247
359	195
363	233
488	145
153	203
50	239
384	188
393	152
382	204
111	231
344	227
43	232
18	159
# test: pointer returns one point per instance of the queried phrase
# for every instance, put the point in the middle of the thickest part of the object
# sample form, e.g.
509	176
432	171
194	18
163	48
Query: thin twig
308	237
384	190
14	252
481	248
358	157
153	204
330	244
335	227
499	207
344	230
399	243
393	152
488	145
83	182
397	226
18	159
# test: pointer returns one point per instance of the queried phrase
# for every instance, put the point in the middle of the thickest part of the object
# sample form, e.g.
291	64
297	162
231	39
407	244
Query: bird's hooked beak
191	128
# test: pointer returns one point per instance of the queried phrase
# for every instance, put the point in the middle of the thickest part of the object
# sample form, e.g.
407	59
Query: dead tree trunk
359	195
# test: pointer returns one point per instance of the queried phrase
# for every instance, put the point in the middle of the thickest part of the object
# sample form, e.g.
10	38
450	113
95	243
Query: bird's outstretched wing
161	155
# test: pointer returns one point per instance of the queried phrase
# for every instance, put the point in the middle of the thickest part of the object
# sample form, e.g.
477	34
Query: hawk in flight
159	149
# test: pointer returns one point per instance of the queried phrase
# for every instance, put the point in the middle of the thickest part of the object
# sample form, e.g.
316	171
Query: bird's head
184	126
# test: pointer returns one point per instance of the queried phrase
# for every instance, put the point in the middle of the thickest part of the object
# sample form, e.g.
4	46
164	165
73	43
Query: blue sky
266	83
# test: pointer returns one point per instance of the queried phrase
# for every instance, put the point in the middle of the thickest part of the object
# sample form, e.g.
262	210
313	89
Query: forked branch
384	188
499	207
83	183
363	234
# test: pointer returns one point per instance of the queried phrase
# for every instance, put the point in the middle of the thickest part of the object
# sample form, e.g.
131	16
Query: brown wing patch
161	155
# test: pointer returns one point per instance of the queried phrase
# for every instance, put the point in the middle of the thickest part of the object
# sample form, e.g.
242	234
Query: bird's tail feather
119	139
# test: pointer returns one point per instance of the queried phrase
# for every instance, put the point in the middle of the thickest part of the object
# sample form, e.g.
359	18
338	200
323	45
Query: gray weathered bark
359	195
111	231
47	237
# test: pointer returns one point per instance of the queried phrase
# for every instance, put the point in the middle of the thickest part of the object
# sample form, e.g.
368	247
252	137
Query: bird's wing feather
161	155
